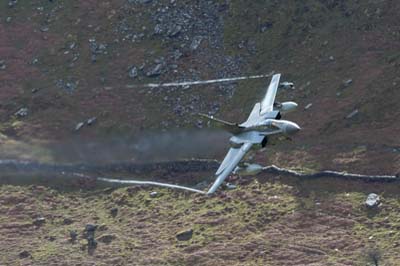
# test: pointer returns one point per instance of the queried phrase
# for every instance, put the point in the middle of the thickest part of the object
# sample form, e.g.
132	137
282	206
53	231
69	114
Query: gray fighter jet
264	120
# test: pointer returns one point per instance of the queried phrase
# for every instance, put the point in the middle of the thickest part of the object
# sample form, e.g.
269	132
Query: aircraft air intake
287	127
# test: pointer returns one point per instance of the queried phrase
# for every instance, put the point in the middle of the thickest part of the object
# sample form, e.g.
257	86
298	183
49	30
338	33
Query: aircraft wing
267	104
231	160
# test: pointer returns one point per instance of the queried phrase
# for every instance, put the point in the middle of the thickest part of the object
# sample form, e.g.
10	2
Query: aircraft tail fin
228	126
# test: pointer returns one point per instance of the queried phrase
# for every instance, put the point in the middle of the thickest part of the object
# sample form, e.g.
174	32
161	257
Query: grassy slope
275	221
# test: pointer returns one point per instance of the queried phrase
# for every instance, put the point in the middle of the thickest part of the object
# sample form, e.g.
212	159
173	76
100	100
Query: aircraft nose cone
292	128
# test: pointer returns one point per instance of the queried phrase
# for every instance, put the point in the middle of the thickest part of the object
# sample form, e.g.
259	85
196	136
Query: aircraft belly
248	137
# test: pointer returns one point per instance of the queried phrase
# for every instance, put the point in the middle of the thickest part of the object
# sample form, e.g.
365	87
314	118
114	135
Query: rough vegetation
64	71
268	221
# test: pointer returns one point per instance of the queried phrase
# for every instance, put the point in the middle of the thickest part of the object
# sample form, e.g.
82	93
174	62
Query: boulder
372	200
184	235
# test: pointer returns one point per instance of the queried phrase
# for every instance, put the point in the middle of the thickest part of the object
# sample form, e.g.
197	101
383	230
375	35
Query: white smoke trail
199	82
137	182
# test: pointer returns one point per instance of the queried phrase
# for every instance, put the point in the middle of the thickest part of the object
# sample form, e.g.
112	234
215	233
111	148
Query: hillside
70	76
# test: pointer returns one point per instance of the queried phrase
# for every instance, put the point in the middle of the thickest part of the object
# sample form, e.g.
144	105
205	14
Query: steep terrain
66	75
69	61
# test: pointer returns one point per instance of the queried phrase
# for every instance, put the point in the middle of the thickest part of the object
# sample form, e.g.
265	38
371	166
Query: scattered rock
265	26
68	221
73	235
91	121
51	238
352	114
79	126
155	71
331	58
8	19
196	43
153	194
114	212
44	29
247	169
185	235
24	254
22	112
69	86
347	82
34	90
174	31
177	54
89	235
12	3
102	227
308	106
107	239
133	72
158	29
286	85
372	201
202	185
230	186
39	221
3	64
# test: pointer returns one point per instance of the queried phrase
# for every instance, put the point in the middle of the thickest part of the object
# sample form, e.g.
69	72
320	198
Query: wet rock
24	254
184	235
372	200
107	239
156	71
133	72
352	114
308	106
114	212
39	221
22	112
91	121
79	126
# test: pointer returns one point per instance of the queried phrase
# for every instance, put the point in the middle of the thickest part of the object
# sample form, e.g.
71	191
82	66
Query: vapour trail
199	82
137	182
